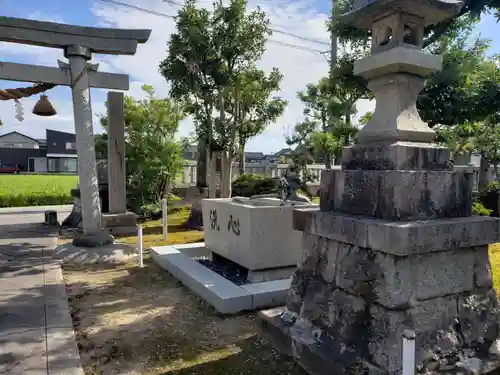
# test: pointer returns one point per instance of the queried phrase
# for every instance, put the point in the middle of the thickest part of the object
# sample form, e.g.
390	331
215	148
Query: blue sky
300	65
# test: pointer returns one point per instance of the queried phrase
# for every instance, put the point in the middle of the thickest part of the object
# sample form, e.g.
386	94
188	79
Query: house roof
283	151
254	155
22	135
58	131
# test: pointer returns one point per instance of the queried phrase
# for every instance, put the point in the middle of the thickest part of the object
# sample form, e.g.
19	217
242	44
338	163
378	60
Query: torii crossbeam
78	44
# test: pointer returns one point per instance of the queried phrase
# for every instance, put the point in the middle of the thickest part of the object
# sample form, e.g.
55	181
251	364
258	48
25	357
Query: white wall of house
187	177
40	165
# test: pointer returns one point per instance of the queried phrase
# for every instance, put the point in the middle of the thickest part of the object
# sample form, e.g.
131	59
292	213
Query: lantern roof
366	12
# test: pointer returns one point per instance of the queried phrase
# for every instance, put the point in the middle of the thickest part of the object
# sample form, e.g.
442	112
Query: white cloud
298	66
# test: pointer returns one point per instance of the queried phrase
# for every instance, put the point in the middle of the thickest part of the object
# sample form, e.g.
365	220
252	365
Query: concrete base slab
120	224
112	253
94	240
123	231
225	296
259	276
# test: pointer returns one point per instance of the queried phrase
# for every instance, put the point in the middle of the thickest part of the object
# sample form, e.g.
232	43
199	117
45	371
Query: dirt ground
130	320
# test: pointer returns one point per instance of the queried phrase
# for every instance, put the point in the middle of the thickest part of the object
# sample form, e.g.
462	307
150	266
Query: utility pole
333	41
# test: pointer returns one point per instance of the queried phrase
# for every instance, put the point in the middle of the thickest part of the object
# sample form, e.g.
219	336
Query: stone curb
225	296
63	357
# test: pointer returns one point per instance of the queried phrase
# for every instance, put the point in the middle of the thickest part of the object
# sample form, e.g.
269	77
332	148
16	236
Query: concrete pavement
36	332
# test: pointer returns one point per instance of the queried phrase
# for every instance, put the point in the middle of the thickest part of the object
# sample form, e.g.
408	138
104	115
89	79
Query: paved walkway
36	333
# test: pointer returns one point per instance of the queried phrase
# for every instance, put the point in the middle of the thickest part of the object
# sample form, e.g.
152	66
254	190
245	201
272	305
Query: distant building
55	153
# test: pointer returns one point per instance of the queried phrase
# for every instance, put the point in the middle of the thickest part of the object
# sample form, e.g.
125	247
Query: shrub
247	185
479	210
154	210
489	197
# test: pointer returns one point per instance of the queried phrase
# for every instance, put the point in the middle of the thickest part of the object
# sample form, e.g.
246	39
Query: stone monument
393	245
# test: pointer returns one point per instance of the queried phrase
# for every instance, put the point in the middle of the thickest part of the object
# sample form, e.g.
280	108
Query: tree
206	55
467	89
257	107
460	138
475	137
363	120
329	107
462	91
153	156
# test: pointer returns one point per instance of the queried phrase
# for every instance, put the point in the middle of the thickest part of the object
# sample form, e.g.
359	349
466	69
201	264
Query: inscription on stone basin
257	237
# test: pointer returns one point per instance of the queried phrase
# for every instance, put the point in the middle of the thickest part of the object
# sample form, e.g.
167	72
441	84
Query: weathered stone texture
482	268
389	280
396	156
401	238
349	305
398	195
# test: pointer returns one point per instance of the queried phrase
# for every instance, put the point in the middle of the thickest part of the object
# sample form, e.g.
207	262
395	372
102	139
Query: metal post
164	220
408	352
139	246
87	171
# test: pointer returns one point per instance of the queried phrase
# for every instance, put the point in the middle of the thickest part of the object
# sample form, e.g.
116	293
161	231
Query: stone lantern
394	246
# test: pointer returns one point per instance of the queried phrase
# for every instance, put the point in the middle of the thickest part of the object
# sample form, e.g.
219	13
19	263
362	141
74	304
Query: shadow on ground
131	319
26	293
171	229
113	253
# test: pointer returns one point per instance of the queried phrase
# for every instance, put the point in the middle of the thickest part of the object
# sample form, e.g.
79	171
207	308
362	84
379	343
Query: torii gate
78	44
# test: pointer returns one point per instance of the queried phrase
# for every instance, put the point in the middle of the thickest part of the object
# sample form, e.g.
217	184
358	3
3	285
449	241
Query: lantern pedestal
394	246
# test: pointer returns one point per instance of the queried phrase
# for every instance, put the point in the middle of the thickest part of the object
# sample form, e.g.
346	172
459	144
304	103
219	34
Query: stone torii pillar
78	43
394	246
118	220
85	144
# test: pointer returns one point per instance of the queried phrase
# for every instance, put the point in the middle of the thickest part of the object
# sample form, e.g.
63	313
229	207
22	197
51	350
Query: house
55	153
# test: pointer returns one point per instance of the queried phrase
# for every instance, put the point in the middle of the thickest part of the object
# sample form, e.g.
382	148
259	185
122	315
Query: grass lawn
152	232
495	265
36	190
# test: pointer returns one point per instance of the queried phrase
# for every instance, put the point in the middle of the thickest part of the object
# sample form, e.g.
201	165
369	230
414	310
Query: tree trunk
483	173
328	161
338	156
241	161
226	174
201	166
211	174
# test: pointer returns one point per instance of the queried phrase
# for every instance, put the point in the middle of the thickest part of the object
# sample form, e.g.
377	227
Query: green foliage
36	190
467	89
479	210
153	156
256	107
207	53
154	210
248	185
460	138
211	67
489	197
329	107
363	120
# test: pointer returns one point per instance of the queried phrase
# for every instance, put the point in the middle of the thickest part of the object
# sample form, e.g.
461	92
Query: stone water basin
256	233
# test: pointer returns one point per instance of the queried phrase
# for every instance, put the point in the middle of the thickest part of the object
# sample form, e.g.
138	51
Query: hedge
248	185
36	190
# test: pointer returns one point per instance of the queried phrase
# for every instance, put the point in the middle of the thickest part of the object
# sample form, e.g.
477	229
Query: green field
36	190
